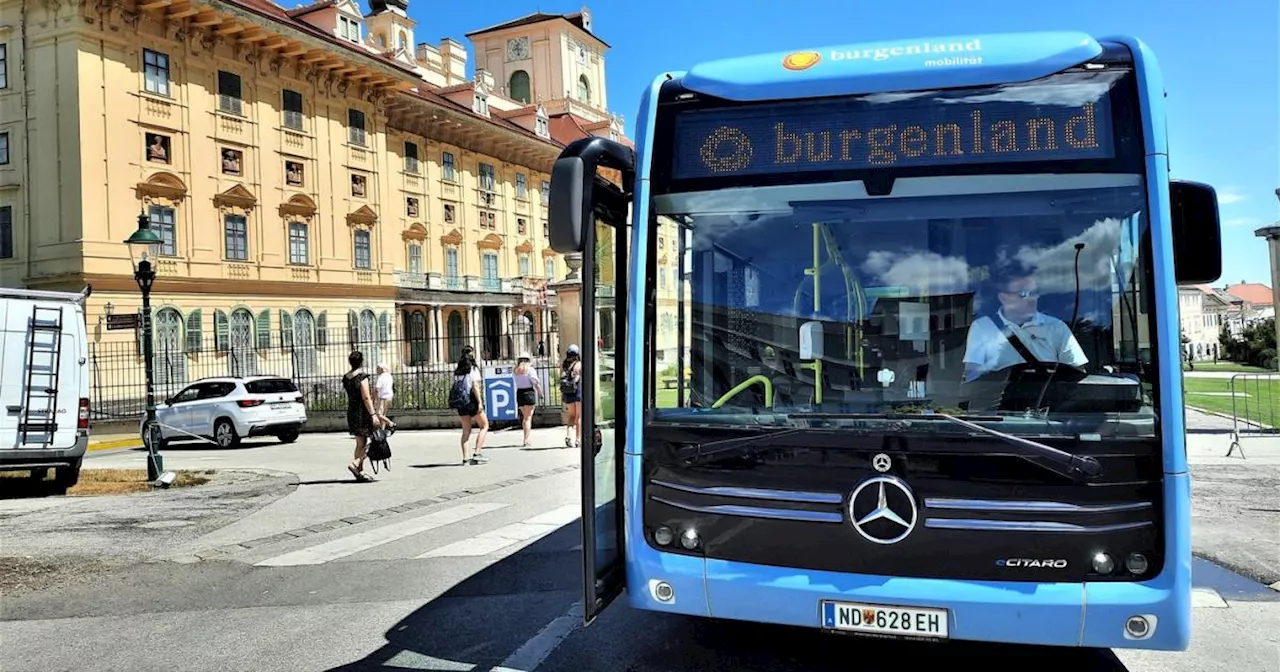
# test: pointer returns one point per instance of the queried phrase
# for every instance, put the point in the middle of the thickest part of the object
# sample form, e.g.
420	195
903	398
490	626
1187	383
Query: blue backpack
460	393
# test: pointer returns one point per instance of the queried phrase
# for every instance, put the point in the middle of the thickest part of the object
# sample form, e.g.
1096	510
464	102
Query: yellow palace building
314	172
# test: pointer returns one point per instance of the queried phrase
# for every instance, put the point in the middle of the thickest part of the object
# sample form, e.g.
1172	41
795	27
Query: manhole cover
164	523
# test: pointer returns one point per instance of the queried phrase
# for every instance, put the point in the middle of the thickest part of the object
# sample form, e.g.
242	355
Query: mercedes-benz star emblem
881	462
883	509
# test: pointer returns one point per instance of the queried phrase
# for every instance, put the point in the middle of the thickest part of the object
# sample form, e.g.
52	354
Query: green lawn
1260	399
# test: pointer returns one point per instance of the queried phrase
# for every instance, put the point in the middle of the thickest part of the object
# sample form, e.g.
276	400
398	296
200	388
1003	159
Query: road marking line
355	543
1207	598
515	533
531	654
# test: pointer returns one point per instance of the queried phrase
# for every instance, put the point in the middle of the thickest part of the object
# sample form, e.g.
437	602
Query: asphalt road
435	566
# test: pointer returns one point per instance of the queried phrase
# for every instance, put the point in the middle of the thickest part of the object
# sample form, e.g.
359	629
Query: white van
44	383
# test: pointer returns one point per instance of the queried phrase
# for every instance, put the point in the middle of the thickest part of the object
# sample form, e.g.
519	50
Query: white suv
229	409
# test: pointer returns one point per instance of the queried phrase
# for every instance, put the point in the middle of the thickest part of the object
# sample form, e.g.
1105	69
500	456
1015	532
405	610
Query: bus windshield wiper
702	451
1075	467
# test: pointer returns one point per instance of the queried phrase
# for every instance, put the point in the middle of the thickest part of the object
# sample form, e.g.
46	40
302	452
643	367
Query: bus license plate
884	620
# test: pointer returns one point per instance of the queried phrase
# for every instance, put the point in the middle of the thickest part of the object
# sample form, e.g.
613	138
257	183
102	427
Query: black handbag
378	449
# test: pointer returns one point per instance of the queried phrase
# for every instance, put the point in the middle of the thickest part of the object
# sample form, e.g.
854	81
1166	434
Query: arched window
368	339
584	89
304	344
243	360
169	358
518	87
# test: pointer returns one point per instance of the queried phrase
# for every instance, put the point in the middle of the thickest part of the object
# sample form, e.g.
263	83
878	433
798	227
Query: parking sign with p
500	392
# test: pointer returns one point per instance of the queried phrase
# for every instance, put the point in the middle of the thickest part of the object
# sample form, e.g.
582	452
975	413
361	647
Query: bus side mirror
570	203
1197	234
573	179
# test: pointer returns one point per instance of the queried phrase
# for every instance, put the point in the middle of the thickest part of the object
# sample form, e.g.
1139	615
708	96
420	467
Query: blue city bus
882	339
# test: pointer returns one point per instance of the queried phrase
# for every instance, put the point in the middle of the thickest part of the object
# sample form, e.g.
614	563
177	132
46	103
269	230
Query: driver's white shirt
1046	337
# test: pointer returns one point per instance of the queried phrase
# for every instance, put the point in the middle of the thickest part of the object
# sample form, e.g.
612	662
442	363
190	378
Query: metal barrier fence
1255	398
422	368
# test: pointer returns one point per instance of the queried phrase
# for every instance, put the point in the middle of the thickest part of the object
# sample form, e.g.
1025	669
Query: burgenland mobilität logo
801	60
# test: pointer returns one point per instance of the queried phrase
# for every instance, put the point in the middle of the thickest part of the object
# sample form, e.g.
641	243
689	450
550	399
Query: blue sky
1219	62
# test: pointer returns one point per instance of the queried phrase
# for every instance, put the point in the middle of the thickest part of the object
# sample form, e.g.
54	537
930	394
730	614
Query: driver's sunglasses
1025	293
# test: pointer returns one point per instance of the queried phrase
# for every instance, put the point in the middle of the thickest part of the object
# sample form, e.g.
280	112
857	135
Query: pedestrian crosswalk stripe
508	535
355	543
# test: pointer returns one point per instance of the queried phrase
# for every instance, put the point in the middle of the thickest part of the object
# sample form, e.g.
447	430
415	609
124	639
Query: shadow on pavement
481	621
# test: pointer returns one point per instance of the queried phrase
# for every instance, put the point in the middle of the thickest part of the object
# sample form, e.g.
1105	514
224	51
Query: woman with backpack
571	393
528	389
466	398
362	415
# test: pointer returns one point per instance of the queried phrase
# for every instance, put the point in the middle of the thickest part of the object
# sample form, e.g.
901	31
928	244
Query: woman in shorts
473	411
528	389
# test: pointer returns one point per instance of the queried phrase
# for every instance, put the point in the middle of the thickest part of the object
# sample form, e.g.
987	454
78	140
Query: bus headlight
1103	564
1136	563
663	535
689	539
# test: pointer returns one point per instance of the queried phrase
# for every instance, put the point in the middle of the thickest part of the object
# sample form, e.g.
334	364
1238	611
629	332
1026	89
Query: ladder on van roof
44	364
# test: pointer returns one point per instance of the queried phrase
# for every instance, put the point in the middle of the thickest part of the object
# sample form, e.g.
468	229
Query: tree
1256	345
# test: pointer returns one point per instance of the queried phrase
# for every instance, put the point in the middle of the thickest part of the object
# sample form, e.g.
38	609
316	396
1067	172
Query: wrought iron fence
422	368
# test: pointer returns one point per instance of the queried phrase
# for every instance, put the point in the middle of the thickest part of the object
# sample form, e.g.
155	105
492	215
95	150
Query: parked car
44	383
229	409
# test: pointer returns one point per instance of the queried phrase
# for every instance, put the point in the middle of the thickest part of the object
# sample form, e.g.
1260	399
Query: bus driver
1023	330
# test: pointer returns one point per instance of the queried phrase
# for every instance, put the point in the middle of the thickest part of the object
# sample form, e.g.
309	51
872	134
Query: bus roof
895	65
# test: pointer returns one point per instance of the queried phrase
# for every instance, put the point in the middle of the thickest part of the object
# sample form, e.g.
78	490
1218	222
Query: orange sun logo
801	60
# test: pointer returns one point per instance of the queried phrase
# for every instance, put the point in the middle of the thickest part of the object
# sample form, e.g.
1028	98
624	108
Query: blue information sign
500	392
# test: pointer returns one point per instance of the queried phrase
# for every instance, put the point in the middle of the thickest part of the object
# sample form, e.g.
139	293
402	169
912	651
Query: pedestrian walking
528	390
385	387
571	394
467	399
362	414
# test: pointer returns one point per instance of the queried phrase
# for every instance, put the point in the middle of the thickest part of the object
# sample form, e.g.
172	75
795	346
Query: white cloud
1056	265
1230	195
941	275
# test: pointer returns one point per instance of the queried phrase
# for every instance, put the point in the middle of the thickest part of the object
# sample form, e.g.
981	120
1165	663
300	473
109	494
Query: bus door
588	215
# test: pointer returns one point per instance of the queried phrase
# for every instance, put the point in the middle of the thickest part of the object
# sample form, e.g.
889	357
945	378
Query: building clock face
518	49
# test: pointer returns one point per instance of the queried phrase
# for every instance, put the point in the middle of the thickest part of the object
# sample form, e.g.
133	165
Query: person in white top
1047	338
528	390
384	385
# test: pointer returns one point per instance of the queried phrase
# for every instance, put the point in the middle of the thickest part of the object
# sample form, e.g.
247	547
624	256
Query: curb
1224	416
118	443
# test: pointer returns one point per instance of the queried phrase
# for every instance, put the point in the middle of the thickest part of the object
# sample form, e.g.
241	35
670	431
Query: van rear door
16	342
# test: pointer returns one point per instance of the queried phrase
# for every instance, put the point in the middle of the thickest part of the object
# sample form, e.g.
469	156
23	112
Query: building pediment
490	242
363	216
161	185
415	232
236	197
454	237
298	205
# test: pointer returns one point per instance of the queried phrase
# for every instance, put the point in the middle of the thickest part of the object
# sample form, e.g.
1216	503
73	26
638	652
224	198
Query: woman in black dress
361	416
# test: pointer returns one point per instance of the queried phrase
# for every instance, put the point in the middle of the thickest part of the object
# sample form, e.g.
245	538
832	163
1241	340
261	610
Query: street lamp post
140	244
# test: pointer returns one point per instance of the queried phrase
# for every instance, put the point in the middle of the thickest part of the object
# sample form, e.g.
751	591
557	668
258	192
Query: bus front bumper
1055	614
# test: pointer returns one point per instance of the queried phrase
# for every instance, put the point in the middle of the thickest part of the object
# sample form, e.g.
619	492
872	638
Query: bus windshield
997	296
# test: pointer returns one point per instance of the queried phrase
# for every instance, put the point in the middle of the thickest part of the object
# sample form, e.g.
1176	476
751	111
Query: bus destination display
853	135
